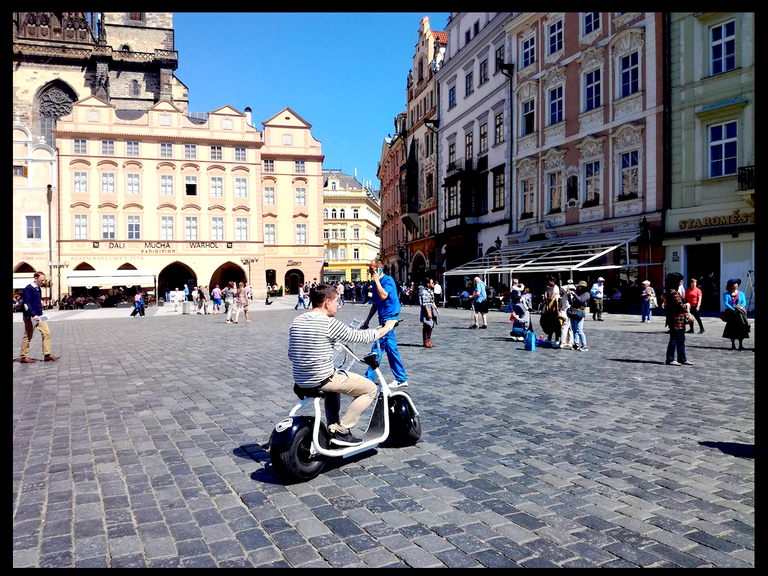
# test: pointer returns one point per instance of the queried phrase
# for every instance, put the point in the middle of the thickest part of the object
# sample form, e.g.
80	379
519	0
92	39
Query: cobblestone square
144	446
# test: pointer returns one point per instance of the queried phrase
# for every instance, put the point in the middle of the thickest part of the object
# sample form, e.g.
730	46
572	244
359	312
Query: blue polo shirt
389	309
480	286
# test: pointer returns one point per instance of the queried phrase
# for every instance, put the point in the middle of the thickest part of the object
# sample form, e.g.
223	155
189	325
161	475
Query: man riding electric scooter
310	349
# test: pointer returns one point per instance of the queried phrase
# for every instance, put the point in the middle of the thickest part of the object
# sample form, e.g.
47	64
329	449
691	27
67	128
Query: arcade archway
293	278
226	273
175	276
418	269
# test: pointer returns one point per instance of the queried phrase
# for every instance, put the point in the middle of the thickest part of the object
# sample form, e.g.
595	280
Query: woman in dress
647	293
578	302
241	302
737	326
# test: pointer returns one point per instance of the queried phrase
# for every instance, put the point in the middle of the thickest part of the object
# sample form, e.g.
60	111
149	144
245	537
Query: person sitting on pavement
310	349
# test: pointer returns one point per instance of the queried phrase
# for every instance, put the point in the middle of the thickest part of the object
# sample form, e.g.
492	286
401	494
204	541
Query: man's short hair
38	274
321	293
693	280
379	262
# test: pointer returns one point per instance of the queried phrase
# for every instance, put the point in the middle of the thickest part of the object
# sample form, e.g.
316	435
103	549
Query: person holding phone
33	318
385	300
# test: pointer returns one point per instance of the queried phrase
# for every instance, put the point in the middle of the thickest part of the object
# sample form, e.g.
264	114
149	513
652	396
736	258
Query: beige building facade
352	218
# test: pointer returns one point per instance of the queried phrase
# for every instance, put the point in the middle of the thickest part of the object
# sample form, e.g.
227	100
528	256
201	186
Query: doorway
702	261
293	278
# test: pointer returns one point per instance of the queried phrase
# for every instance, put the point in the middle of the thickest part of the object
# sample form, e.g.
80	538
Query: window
529	52
499	136
483	72
216	153
333	213
131	148
467	37
35	228
301	233
166	150
342	213
556	105
217	228
269	196
269	166
342	233
217	186
527	198
591	22
468	80
166	227
108	147
451	97
134	227
342	253
136	16
241	229
81	182
190	228
287	140
498	189
241	187
451	155
269	233
499	59
166	185
355	233
453	201
132	184
355	213
107	183
81	146
630	69
592	87
356	253
190	185
334	234
477	27
108	227
629	174
723	148
723	47
325	213
240	154
481	197
165	120
430	191
556	37
134	83
592	183
555	191
300	166
301	197
18	170
483	137
334	254
81	226
333	185
93	115
326	234
190	151
529	124
469	151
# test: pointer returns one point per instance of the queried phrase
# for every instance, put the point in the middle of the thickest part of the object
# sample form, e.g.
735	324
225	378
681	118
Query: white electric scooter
300	445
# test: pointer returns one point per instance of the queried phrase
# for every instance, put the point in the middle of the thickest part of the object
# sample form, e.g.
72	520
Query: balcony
747	184
459	165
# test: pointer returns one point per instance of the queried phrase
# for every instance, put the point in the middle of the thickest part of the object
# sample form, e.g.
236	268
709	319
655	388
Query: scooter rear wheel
294	463
405	426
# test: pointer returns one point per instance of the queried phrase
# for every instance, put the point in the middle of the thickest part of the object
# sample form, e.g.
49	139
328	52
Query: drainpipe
49	195
58	218
666	123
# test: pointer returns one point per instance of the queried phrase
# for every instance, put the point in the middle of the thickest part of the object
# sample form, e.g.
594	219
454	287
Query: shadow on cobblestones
738	450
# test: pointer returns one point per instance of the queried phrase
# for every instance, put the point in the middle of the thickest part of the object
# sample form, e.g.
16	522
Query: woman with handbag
649	300
735	314
576	314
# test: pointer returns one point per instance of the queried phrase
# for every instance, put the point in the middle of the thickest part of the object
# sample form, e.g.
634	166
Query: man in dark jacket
677	318
32	310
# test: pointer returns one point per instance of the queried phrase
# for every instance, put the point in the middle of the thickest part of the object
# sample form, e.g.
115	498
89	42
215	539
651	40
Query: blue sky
344	73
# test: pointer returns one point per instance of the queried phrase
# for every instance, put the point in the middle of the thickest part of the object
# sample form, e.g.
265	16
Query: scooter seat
302	392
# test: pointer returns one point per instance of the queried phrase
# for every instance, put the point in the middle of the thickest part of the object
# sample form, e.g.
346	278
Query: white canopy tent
110	278
22	279
570	254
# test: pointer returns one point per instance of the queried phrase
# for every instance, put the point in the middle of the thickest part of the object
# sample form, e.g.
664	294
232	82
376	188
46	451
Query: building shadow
637	361
733	448
717	348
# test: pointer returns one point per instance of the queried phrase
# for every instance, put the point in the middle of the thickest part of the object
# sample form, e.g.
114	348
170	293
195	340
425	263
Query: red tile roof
440	36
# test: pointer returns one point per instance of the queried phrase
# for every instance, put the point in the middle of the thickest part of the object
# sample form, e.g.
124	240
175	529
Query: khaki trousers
29	330
359	387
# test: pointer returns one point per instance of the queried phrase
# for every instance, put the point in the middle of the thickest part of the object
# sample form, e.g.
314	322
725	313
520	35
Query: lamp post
247	260
59	266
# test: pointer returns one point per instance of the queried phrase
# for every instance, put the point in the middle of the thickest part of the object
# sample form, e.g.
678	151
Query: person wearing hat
598	292
579	299
735	302
647	294
566	331
677	317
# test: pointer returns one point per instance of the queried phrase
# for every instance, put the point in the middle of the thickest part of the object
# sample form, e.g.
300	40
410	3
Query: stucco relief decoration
555	158
591	214
591	58
527	143
625	18
555	76
630	105
628	208
627	41
527	91
526	168
591	147
554	133
628	136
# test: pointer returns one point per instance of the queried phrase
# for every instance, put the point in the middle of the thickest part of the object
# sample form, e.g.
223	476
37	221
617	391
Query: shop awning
572	254
110	278
22	279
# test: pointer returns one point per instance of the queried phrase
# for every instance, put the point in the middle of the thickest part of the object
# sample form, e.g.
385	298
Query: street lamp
498	243
247	260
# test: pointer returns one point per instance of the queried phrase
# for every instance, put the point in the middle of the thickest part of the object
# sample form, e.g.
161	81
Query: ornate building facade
352	217
391	174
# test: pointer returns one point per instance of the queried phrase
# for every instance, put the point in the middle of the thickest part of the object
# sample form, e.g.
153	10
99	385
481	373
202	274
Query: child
520	319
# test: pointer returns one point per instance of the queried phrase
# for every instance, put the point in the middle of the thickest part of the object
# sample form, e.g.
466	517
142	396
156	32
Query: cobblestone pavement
143	446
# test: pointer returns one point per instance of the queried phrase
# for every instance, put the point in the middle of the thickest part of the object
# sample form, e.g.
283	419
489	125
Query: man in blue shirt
598	293
386	301
481	303
33	310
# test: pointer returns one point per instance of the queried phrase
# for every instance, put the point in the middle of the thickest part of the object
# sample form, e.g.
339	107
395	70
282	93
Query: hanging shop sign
737	217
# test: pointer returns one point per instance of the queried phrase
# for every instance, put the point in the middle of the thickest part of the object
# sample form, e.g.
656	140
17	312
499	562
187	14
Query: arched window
333	213
54	101
325	213
125	48
287	140
342	213
134	88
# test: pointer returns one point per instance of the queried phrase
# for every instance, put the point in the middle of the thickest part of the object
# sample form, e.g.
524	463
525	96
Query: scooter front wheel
295	463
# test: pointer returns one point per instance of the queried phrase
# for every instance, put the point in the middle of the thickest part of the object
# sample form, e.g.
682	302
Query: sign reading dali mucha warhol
727	220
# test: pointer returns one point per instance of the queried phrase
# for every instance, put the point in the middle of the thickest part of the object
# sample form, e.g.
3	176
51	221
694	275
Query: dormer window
125	48
287	140
333	185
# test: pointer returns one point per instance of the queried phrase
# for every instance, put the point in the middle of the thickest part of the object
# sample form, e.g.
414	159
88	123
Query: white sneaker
398	384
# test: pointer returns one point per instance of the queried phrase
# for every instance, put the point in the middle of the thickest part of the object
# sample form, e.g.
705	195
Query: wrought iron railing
747	178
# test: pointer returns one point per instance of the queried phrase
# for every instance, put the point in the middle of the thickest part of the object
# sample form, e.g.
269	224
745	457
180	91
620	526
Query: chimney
248	115
355	171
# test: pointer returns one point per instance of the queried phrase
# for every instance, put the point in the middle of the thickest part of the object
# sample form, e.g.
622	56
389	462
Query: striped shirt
426	297
310	346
